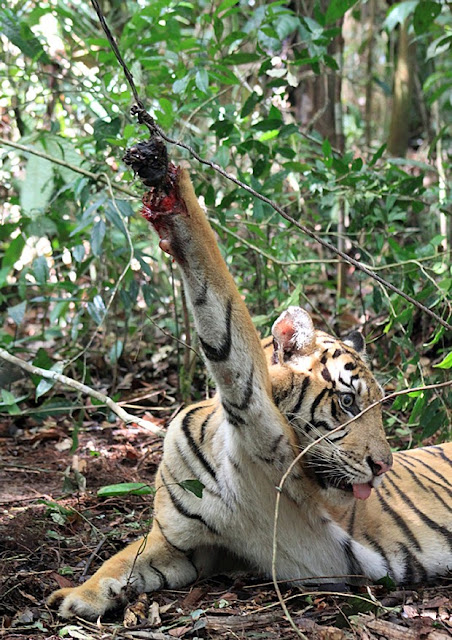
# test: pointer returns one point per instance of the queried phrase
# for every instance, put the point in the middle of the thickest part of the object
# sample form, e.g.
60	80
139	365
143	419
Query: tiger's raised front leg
230	344
248	428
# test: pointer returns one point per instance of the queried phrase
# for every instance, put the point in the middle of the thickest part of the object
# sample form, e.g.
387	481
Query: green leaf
249	105
111	212
218	27
446	363
377	155
41	270
418	407
43	361
125	488
125	208
431	419
17	312
286	25
52	407
337	8
63	149
424	14
241	58
438	46
222	156
104	129
37	187
202	80
268	124
180	85
78	252
8	398
46	384
326	148
387	582
71	630
327	152
226	4
19	33
377	299
167	113
97	237
42	226
399	13
96	309
13	252
193	486
55	506
116	351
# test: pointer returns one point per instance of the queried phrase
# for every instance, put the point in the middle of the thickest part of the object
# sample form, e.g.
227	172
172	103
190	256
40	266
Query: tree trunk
317	99
402	94
369	72
317	102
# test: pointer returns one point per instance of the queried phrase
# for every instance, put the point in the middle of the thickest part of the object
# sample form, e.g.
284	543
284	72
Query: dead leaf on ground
61	581
196	595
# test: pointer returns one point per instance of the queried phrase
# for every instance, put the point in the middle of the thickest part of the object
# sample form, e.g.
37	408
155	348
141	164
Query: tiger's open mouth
361	491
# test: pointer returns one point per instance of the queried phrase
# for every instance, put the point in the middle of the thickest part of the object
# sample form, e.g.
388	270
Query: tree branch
126	417
100	177
359	265
145	118
96	177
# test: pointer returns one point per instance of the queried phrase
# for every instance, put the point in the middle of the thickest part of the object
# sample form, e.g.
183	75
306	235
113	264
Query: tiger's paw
86	602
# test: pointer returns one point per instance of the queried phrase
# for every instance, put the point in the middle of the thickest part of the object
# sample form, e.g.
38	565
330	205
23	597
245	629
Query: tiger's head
320	384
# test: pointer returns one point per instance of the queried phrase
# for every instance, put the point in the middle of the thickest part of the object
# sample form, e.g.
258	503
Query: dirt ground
55	531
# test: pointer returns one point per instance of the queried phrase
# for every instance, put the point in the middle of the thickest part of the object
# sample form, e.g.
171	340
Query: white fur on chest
248	530
309	543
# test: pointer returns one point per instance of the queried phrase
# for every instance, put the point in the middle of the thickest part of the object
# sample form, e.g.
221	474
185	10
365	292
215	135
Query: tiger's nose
378	467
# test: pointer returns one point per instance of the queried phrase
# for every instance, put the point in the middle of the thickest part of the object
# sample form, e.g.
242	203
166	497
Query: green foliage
193	486
81	274
125	488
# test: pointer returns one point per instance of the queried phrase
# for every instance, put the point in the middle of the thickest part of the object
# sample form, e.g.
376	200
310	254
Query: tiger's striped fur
273	399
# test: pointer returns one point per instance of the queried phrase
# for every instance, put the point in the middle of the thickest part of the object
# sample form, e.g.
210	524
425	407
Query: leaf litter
56	528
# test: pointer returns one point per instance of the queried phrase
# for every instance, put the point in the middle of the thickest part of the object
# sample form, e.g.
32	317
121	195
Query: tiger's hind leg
149	564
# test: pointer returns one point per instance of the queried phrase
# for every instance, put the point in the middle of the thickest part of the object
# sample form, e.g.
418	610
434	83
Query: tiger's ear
355	339
293	332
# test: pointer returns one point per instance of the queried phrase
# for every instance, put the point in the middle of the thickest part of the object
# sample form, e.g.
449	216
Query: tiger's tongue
362	491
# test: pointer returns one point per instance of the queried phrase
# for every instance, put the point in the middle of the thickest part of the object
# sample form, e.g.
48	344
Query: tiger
349	507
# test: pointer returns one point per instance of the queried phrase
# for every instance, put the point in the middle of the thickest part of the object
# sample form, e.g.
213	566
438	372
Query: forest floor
55	532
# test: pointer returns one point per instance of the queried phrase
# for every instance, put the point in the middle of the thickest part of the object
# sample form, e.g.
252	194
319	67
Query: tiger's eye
347	400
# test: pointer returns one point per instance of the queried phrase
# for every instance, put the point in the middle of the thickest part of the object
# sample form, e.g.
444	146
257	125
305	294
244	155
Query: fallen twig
398	632
126	417
93	555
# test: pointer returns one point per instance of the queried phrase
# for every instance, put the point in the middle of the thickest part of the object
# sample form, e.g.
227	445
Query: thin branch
127	418
359	265
96	177
122	275
416	261
304	594
145	118
117	53
253	247
173	337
